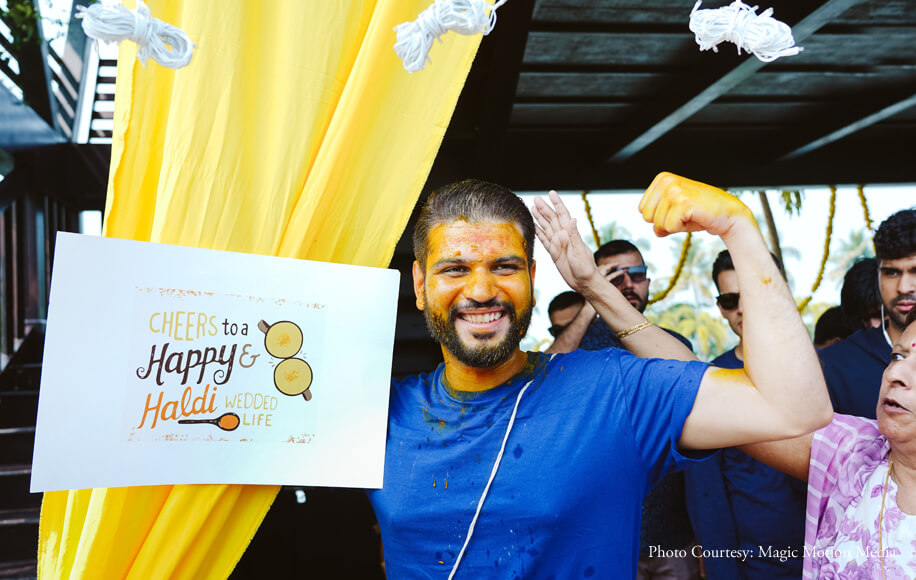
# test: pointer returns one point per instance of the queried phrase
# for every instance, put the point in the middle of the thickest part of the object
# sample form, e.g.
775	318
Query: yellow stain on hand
767	280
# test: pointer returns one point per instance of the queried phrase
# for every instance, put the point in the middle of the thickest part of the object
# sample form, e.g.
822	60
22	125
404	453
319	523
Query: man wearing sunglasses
736	502
622	264
664	522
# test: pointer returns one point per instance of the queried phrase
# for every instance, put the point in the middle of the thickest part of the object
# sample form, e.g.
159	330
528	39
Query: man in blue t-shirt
664	523
736	502
506	464
854	365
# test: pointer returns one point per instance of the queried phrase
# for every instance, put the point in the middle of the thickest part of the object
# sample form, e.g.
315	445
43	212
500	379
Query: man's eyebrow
448	262
889	269
509	259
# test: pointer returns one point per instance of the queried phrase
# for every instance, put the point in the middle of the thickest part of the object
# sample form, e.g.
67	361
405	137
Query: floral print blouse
849	464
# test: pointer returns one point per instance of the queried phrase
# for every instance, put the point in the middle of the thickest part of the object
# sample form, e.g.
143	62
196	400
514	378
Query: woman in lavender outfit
861	474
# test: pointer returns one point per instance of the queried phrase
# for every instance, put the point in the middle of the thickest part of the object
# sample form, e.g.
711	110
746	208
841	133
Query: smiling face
636	293
897	282
476	291
897	399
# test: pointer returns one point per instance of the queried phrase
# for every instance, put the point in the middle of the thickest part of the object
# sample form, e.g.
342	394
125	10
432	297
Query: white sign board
171	365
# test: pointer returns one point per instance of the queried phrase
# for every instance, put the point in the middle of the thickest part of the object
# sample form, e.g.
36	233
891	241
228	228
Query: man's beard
484	356
641	303
898	319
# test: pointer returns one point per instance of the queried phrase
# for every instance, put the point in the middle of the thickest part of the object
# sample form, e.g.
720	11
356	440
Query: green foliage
847	251
709	334
22	18
614	231
792	201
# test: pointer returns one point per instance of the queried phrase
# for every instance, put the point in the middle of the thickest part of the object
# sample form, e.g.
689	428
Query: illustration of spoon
226	421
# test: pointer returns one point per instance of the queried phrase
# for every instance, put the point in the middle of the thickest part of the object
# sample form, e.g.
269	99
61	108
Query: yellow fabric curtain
295	131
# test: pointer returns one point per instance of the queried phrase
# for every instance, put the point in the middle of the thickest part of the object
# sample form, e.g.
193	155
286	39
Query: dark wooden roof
604	94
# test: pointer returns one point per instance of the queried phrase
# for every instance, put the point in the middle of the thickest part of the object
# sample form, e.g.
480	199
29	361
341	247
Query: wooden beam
505	48
827	11
850	128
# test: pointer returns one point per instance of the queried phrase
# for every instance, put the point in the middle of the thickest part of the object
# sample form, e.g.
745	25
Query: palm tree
708	334
858	245
695	276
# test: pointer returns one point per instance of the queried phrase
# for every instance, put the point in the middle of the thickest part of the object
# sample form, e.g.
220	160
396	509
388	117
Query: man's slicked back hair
473	201
896	236
616	248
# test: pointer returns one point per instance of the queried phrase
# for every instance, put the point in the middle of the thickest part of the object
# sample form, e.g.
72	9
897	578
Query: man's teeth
482	318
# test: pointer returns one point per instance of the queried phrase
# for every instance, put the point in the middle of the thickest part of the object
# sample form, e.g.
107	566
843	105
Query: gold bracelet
634	330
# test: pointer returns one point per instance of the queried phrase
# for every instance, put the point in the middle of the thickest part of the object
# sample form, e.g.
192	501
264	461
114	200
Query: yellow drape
295	131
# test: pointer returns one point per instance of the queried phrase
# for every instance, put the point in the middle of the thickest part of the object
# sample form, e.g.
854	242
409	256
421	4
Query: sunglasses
637	274
729	300
557	329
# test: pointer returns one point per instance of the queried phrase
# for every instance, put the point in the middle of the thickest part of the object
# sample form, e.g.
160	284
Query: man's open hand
557	231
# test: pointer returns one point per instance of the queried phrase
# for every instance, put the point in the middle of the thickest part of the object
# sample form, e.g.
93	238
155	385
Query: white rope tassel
759	34
467	17
164	43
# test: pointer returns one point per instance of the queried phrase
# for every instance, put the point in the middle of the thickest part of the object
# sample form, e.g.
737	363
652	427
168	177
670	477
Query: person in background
853	366
664	519
861	474
562	310
736	502
833	326
860	298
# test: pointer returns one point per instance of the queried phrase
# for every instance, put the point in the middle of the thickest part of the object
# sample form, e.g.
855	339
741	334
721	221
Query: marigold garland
829	234
677	271
868	222
591	221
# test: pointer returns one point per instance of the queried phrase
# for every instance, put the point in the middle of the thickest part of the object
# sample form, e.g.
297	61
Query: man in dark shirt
736	502
853	367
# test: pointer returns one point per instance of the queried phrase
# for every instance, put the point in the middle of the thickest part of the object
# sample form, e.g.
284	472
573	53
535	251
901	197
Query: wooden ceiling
604	94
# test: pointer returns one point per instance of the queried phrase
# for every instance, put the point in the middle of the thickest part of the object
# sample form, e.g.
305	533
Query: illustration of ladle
292	376
226	421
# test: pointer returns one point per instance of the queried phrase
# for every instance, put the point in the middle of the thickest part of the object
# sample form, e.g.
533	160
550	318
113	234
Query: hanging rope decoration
164	43
467	17
685	249
759	34
591	220
828	235
868	222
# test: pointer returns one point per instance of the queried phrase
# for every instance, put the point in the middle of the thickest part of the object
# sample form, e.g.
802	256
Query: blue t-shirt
737	502
664	521
853	369
593	432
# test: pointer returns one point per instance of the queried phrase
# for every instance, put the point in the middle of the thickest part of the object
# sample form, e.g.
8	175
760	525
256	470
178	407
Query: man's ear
418	280
531	271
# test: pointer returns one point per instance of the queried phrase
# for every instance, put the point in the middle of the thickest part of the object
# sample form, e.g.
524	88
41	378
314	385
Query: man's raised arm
557	231
781	391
